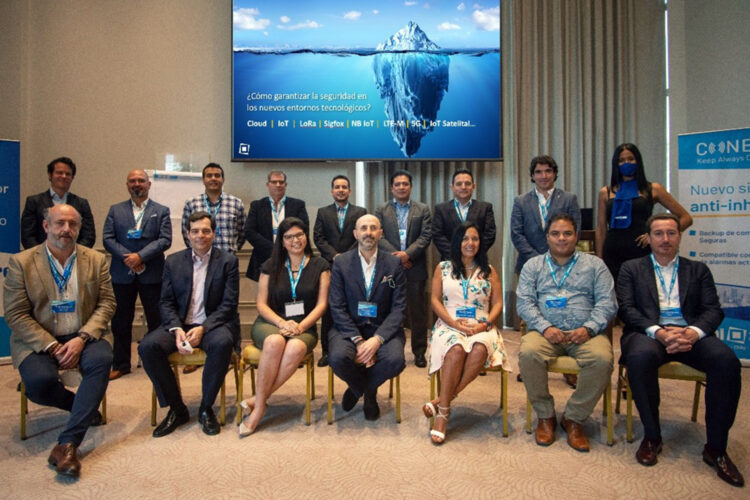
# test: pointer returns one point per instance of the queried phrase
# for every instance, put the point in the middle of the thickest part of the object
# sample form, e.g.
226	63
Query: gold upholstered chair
397	380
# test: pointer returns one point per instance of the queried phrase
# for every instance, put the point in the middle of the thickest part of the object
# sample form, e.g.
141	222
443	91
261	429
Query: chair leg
312	377
696	401
433	382
629	420
390	389
308	388
153	407
24	410
330	396
223	411
240	382
504	400
608	413
398	398
620	383
252	378
528	416
104	409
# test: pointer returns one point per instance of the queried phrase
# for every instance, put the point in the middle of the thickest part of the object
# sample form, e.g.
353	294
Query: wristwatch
84	336
589	331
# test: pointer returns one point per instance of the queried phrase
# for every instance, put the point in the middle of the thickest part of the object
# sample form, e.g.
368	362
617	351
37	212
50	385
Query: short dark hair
462	171
662	216
399	173
333	181
276	172
63	159
212	165
196	216
561	216
542	160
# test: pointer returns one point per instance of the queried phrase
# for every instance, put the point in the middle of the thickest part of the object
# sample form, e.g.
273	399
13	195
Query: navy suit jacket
348	289
221	293
526	229
259	230
327	236
446	220
32	231
639	299
155	240
418	235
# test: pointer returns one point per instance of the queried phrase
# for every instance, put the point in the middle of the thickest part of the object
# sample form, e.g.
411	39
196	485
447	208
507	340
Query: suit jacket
259	230
32	231
327	236
155	240
526	229
220	295
446	221
418	235
30	289
639	298
348	289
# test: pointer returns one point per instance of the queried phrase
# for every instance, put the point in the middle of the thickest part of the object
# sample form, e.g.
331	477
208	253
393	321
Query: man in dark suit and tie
407	231
334	234
198	304
137	232
671	311
58	301
61	172
450	214
366	343
264	217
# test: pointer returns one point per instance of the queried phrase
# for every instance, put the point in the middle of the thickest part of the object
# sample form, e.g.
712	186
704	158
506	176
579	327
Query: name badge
556	302
367	309
296	308
671	312
135	234
466	312
63	306
402	235
275	231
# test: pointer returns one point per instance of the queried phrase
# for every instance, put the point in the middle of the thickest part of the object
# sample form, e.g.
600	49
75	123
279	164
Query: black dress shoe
207	419
725	468
420	361
323	361
647	451
64	458
371	408
172	421
97	419
349	400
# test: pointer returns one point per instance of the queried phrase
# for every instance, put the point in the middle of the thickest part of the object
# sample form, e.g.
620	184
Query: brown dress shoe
576	437
647	451
115	374
189	369
571	379
725	468
64	458
545	431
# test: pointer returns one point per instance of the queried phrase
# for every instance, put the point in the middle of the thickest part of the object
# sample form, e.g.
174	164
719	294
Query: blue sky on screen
316	24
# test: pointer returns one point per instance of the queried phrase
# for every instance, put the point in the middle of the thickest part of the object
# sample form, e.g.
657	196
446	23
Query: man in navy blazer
264	217
451	214
137	232
670	318
61	172
531	211
366	343
199	299
334	234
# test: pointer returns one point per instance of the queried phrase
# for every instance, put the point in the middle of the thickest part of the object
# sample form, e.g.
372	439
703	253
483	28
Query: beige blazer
29	291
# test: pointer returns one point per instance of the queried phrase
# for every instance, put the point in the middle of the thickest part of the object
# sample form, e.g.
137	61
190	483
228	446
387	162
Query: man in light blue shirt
567	299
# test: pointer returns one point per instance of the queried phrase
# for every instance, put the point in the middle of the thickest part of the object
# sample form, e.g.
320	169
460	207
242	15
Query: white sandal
429	409
444	412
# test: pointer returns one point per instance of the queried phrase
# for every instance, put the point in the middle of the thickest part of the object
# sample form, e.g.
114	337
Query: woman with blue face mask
625	205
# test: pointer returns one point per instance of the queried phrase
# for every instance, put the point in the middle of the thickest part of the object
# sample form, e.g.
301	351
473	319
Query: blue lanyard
293	282
213	212
544	207
368	287
661	277
465	283
458	210
341	217
140	216
273	208
567	271
61	281
402	215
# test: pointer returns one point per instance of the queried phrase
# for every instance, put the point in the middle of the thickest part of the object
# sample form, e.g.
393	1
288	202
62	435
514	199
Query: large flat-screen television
365	80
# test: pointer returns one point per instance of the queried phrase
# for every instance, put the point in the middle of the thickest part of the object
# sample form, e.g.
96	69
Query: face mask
628	169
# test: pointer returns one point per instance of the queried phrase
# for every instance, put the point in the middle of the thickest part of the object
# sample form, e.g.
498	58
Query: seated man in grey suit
671	311
58	302
333	235
366	343
198	305
407	231
136	233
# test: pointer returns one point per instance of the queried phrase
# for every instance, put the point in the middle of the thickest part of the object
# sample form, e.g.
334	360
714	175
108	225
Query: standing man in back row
451	214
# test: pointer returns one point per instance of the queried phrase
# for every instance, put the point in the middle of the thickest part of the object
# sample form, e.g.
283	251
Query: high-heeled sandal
438	437
246	408
429	409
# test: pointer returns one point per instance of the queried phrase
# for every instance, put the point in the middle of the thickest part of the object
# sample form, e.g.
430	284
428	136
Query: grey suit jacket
418	235
526	229
30	289
327	236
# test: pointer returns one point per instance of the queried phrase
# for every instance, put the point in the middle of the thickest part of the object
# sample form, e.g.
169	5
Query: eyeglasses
297	236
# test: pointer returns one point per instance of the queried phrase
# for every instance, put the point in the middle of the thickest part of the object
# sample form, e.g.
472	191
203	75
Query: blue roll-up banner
714	180
10	232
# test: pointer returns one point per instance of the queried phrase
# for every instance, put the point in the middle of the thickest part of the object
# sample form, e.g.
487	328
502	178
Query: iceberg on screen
412	80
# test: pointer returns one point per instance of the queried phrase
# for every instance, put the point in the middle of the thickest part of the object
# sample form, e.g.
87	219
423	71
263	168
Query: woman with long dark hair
292	296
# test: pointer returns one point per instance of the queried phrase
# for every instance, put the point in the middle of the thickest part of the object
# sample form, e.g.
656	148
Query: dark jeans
122	321
390	362
416	308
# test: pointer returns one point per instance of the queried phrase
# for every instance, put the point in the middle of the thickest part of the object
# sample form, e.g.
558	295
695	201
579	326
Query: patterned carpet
354	458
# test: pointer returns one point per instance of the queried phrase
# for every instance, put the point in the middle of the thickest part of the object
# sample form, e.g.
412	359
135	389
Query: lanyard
341	217
661	277
139	217
273	208
458	210
213	212
293	282
543	208
61	281
402	215
368	287
465	283
567	271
